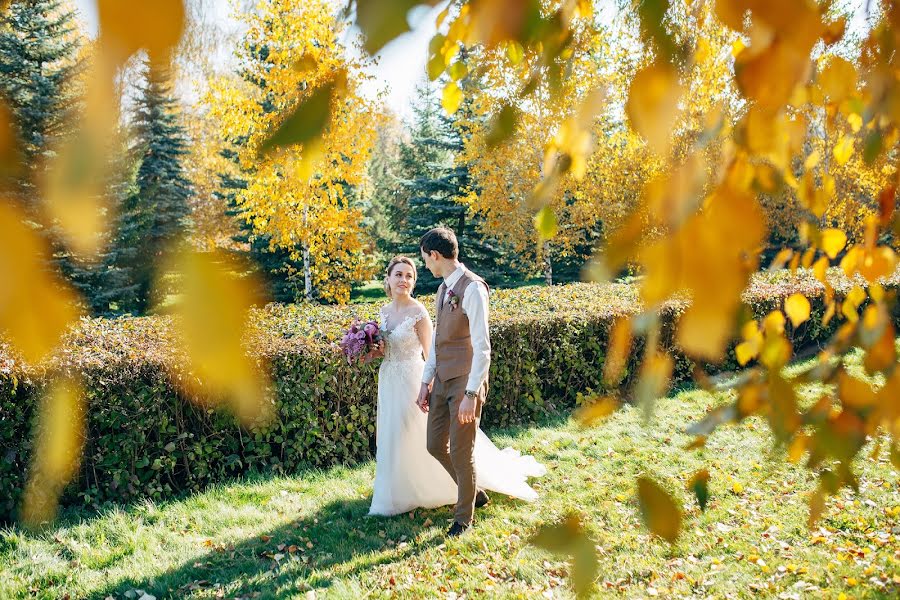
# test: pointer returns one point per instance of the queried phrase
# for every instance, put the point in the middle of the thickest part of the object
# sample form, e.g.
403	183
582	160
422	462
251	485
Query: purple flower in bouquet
360	339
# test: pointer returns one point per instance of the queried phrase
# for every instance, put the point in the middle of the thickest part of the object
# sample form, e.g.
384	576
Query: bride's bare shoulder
420	311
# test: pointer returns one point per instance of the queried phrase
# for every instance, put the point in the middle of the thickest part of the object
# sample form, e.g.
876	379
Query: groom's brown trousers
453	443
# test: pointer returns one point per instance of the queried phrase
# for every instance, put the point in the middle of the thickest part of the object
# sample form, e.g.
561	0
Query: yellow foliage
298	194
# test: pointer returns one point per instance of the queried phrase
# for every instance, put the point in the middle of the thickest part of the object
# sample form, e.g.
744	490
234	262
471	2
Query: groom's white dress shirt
475	307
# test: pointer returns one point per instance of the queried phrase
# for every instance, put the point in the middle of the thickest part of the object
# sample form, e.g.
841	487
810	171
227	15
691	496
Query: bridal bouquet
360	339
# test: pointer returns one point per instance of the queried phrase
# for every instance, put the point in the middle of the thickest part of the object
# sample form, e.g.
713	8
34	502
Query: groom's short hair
442	240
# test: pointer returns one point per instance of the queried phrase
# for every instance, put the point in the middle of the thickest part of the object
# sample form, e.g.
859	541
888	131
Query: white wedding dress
406	475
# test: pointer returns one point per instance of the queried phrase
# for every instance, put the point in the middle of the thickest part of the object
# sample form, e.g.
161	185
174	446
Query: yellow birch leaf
213	308
435	66
829	313
307	121
126	27
833	241
882	355
834	31
10	157
659	511
745	352
36	307
515	52
843	150
816	506
591	414
569	538
502	126
442	16
812	160
855	121
784	255
57	452
451	98
618	351
820	269
458	70
808	255
773	324
74	195
585	9
796	448
545	223
797	309
880	262
770	76
382	20
838	79
856	393
653	104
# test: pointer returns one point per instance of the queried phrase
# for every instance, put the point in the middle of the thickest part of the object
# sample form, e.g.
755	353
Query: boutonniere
454	300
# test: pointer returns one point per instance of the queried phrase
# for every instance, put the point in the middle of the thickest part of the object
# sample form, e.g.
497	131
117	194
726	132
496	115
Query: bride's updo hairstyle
390	268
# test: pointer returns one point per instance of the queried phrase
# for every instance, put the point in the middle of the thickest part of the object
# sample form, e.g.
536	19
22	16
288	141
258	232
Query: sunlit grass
282	537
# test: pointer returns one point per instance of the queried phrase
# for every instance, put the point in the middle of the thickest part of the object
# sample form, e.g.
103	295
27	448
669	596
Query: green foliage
433	186
38	64
144	440
155	216
39	80
249	536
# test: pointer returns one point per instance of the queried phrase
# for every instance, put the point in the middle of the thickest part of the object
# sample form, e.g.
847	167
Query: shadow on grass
335	542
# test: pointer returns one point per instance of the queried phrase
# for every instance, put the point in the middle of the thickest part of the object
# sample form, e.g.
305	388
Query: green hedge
145	440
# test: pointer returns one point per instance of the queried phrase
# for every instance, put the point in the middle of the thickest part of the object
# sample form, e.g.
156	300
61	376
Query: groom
458	363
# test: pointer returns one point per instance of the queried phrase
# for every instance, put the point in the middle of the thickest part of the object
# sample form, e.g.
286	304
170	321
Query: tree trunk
548	266
307	271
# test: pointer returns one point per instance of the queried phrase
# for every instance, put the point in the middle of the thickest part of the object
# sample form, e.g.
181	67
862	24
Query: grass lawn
307	536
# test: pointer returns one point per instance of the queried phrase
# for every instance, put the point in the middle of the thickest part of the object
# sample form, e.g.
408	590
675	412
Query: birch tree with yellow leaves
297	200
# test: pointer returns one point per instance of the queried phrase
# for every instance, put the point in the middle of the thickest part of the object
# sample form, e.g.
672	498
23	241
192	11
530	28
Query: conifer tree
435	183
38	63
155	215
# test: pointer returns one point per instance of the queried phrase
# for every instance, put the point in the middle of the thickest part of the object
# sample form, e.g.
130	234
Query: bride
406	475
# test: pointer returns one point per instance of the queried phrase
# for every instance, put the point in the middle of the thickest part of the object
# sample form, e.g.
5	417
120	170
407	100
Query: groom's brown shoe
457	529
481	499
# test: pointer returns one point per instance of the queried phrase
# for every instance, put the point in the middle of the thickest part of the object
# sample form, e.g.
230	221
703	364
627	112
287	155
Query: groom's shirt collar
451	279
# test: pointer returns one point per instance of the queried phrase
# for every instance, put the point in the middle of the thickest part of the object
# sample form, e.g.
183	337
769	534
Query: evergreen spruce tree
38	62
386	199
155	215
433	182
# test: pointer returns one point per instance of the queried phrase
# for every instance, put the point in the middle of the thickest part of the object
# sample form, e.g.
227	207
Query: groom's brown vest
452	341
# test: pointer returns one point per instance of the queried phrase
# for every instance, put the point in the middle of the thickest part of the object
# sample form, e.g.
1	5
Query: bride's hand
376	352
422	400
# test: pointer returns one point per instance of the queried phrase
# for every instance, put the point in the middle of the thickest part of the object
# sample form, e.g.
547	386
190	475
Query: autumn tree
299	202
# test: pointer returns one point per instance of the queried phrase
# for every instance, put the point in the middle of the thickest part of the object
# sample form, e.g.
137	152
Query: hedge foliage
145	440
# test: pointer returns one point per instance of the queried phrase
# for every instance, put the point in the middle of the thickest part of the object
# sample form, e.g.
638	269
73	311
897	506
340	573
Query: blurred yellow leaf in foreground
36	307
214	306
659	511
126	27
653	104
57	453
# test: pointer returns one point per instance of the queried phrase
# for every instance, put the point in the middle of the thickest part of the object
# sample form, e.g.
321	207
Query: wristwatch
471	394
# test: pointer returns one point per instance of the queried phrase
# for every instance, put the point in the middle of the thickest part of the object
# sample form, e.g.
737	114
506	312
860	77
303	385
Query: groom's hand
466	410
422	401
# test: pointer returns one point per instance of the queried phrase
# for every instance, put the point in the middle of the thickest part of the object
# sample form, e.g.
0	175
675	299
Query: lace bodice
402	343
